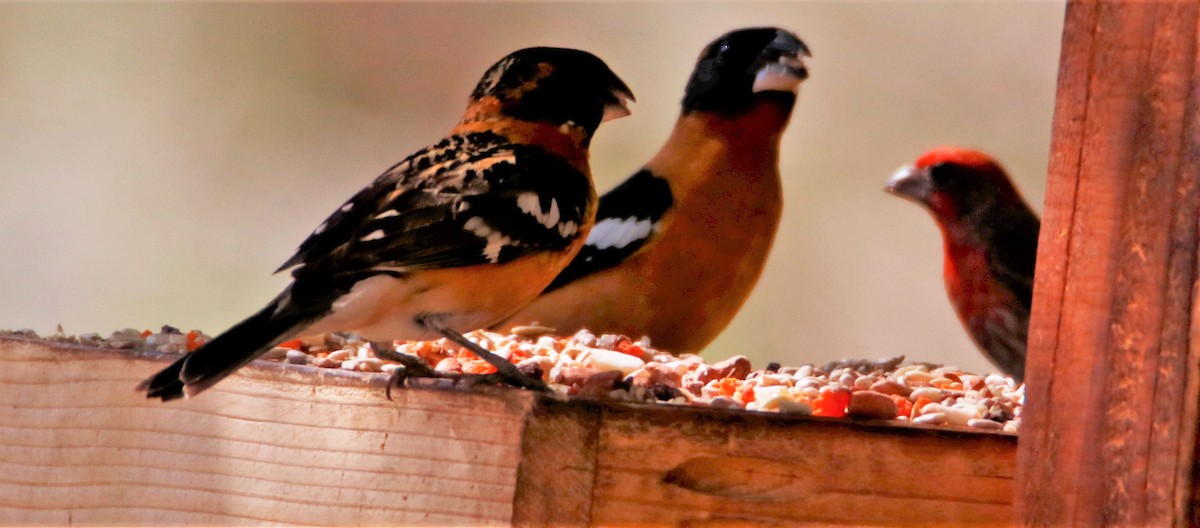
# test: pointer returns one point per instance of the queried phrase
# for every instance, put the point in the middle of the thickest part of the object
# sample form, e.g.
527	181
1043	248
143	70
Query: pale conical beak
912	183
785	75
618	109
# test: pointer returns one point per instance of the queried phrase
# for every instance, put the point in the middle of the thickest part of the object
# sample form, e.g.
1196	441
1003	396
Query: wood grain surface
296	445
271	445
1110	419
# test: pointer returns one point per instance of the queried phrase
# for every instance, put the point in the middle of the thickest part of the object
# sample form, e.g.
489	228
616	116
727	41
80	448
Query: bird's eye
941	174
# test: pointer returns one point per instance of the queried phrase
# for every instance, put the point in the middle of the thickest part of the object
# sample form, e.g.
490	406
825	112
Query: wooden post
1109	434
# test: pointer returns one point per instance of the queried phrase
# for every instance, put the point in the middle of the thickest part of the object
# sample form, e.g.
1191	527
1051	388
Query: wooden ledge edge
541	403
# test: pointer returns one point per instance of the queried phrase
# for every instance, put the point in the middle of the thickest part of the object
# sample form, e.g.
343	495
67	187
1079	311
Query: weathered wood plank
558	465
1110	418
285	444
80	446
692	469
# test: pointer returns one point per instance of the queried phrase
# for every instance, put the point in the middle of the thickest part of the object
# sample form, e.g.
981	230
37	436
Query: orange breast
686	284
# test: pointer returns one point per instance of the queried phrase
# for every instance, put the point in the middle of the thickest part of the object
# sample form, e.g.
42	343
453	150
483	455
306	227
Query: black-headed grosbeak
990	238
455	237
678	246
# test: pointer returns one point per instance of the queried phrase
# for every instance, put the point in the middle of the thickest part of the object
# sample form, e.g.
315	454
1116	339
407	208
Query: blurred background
158	161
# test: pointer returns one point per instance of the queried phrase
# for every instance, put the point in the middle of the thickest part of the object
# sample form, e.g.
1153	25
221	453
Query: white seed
810	382
864	382
297	357
955	415
980	423
934	395
789	406
601	359
447	365
325	362
725	402
993	380
916	378
370	365
768	398
940	383
900	372
847	379
768	380
937	418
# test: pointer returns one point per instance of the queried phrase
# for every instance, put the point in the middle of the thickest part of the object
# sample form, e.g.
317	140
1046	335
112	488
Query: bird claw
414	367
506	372
410	367
515	378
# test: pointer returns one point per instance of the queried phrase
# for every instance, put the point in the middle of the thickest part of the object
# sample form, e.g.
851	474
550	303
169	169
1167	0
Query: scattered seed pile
616	367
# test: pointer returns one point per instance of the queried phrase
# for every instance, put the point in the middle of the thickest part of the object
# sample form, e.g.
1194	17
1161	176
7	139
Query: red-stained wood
1109	430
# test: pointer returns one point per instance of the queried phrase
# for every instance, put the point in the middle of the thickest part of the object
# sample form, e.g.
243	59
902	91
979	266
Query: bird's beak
787	71
620	107
912	183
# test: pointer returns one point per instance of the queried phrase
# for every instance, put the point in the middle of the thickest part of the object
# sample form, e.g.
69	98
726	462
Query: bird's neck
568	141
762	124
963	231
747	143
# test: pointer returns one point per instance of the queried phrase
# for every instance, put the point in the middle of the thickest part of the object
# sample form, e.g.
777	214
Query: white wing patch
531	204
387	214
567	229
495	239
619	232
377	234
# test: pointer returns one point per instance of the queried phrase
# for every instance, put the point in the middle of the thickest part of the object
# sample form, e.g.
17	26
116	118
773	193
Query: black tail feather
166	383
212	362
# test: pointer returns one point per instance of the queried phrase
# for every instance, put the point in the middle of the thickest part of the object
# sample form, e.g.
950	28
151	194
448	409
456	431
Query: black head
555	85
735	69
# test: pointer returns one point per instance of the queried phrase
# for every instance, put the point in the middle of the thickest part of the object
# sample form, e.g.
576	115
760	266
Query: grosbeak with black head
456	237
679	245
989	237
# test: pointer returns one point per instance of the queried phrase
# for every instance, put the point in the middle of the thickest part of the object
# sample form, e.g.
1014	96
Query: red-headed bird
678	246
456	237
990	240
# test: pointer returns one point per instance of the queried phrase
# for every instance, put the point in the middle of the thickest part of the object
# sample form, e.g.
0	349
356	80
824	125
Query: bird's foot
410	367
506	372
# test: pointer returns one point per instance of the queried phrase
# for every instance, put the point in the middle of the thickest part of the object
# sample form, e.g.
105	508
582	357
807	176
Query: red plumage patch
956	155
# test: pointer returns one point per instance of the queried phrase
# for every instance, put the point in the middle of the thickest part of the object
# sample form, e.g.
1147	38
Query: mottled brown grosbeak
990	241
456	237
678	246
